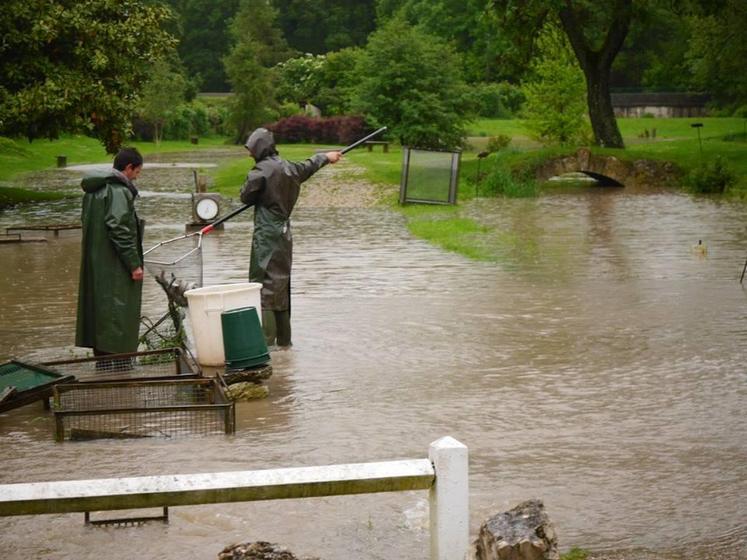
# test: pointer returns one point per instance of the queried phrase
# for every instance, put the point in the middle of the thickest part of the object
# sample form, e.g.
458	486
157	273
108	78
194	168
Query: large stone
247	391
522	533
259	550
254	375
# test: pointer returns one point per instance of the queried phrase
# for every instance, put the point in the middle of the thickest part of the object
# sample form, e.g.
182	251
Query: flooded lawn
599	366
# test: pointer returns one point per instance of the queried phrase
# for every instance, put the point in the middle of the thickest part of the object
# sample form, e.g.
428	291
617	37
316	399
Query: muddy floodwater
599	366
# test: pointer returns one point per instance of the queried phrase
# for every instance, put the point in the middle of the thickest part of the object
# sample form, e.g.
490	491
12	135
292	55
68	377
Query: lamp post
697	126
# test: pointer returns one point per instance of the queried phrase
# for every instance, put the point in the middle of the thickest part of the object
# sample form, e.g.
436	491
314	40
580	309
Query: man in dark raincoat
111	269
273	186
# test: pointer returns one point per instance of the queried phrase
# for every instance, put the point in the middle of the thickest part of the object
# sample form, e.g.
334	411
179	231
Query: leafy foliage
496	100
714	176
204	38
258	45
299	128
165	88
467	25
555	105
298	79
320	26
71	66
421	97
717	52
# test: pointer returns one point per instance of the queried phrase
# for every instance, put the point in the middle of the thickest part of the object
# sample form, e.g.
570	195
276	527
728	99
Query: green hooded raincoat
108	298
273	186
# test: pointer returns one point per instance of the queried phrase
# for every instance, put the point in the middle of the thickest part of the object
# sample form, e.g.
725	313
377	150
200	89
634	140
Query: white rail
444	474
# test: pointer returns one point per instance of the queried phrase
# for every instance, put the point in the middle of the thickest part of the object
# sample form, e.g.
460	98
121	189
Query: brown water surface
598	366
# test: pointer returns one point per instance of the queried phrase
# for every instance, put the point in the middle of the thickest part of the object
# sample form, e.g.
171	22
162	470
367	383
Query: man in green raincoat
273	186
111	269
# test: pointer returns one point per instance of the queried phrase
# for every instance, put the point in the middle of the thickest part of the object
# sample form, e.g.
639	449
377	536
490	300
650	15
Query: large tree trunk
596	64
601	113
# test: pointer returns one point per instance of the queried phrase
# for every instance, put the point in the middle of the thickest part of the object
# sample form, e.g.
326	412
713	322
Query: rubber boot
283	324
269	327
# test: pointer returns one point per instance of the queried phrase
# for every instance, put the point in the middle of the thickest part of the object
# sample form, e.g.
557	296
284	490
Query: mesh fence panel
429	176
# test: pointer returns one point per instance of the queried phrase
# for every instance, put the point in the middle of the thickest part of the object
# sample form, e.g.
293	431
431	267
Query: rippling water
598	365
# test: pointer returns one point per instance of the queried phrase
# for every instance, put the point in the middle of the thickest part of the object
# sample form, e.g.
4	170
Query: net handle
208	228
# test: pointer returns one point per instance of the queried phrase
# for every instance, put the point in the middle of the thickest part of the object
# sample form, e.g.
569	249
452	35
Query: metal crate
153	364
143	408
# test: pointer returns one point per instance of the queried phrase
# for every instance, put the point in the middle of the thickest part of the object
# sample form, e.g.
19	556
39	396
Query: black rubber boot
268	326
283	324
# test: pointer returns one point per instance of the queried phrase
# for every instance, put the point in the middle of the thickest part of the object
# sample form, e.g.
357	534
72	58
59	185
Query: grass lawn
675	140
20	156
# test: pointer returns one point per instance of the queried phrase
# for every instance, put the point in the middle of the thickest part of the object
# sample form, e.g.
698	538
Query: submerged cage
142	408
166	362
429	176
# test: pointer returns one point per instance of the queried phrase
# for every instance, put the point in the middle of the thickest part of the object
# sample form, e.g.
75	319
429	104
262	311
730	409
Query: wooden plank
210	488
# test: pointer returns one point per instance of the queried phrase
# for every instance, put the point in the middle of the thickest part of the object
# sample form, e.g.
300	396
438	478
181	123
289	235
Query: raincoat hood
92	183
261	144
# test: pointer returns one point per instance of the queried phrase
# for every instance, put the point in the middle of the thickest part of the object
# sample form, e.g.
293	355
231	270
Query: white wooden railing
444	474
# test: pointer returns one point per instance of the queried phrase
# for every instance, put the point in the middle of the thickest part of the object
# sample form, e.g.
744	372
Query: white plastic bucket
206	305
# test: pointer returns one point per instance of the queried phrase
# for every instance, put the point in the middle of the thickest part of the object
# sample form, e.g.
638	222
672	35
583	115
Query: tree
465	25
555	107
258	45
596	32
421	97
320	26
205	38
68	66
717	51
164	90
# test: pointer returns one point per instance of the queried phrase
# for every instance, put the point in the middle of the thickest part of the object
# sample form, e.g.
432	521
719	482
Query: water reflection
598	366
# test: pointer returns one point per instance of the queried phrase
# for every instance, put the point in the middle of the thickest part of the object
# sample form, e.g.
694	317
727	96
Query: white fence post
449	500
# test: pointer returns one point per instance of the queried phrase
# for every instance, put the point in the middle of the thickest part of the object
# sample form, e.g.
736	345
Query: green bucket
243	340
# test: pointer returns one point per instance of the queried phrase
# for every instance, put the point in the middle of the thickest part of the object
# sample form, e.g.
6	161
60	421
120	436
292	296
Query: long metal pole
209	228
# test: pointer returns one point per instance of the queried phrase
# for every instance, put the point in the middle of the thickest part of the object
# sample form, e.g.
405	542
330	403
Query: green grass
20	156
10	196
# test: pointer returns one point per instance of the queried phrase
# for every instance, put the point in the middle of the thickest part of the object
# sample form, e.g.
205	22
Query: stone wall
638	174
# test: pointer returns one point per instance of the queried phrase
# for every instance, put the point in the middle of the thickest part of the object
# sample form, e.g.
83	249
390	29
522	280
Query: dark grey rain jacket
273	186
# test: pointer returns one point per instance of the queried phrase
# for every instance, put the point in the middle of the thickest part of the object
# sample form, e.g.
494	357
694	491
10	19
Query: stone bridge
612	171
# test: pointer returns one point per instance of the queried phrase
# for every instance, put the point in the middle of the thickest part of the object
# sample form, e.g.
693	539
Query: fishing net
176	263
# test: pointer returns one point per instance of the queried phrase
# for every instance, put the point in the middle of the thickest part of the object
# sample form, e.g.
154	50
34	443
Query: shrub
500	181
714	176
497	143
300	128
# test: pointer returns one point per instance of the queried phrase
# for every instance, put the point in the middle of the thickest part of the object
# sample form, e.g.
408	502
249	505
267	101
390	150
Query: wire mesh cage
141	409
176	263
429	176
165	362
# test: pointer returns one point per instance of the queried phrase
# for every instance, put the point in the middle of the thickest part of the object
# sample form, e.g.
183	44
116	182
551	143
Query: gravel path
342	185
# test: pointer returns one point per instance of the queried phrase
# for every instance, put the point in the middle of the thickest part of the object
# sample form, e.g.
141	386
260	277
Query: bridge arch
611	170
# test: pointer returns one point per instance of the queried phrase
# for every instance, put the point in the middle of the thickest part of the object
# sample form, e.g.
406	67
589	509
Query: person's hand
334	157
138	274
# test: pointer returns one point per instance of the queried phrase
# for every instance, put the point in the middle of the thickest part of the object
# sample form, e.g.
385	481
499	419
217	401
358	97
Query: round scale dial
206	209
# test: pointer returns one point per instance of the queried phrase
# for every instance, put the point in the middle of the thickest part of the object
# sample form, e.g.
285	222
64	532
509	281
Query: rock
254	375
522	533
259	550
247	391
